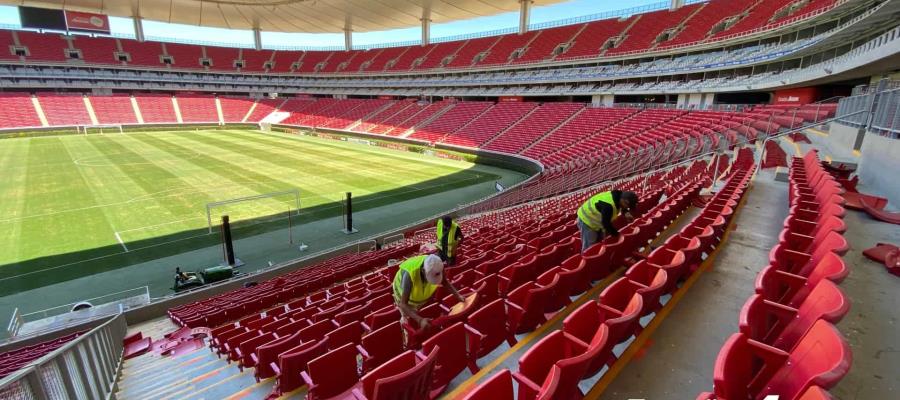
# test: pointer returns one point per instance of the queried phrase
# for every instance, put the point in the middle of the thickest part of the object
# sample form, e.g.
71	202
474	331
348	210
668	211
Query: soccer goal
258	209
265	127
101	129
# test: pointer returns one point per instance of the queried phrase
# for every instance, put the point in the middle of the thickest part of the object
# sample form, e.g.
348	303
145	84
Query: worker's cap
434	269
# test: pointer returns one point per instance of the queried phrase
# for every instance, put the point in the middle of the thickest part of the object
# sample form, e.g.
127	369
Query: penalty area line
119	238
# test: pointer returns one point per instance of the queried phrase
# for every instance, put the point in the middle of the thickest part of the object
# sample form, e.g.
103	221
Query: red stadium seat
782	326
331	374
293	362
381	345
746	368
403	377
489	327
449	363
268	353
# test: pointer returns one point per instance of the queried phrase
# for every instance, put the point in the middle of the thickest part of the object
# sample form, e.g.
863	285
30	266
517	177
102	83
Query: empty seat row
787	344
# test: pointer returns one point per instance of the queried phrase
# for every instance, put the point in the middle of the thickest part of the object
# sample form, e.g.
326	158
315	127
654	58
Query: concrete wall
839	142
879	165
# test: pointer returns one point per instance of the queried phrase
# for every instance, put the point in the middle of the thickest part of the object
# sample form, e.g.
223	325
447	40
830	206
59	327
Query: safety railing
85	368
886	119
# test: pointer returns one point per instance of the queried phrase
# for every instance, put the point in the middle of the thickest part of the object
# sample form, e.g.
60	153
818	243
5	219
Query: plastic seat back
350	333
269	352
381	345
332	373
293	362
782	326
821	358
491	328
449	363
620	307
404	377
497	387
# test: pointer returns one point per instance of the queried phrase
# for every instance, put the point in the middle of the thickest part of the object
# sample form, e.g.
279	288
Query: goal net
254	210
99	129
265	126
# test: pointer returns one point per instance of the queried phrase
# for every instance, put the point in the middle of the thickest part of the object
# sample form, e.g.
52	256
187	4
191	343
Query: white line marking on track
119	238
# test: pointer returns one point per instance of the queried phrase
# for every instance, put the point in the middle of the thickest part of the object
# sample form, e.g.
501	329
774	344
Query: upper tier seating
44	47
17	111
184	55
590	41
115	109
6	44
64	109
658	29
542	48
255	60
97	50
644	34
222	58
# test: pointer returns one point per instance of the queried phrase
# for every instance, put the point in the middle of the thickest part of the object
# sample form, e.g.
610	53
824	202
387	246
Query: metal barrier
85	368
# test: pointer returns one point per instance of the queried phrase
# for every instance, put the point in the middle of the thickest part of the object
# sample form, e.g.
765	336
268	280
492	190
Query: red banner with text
82	21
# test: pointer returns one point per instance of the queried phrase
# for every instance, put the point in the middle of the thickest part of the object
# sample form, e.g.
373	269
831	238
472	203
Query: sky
162	31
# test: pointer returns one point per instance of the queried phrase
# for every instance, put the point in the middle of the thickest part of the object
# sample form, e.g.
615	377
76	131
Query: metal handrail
85	367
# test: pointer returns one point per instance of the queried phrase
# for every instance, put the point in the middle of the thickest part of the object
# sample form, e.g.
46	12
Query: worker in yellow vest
414	284
449	235
596	215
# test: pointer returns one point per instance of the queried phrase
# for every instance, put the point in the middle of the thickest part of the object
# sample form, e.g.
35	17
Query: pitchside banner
82	21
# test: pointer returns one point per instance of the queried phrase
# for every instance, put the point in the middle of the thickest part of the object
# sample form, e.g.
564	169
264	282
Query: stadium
687	199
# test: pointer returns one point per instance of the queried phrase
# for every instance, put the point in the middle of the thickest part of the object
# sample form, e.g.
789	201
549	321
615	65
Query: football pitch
81	204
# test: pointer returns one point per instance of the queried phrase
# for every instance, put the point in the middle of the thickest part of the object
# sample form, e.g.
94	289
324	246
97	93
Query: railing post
35	385
67	377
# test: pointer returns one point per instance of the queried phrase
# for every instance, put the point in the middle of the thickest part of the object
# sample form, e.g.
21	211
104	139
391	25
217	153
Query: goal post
293	193
101	129
265	126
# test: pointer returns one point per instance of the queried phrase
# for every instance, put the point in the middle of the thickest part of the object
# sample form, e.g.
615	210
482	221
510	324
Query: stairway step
169	375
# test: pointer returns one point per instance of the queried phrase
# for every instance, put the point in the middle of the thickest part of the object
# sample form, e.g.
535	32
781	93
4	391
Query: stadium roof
310	16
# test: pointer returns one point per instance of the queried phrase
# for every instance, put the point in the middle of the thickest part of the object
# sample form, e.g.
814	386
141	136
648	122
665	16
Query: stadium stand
264	107
234	109
43	47
450	121
64	109
11	361
156	108
221	58
97	50
491	123
143	54
17	111
783	322
197	108
115	109
547	320
255	60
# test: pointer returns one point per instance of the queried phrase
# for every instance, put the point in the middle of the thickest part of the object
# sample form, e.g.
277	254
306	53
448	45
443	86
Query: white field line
119	238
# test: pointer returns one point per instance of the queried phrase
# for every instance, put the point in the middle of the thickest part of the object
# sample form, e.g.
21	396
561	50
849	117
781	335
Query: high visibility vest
421	289
452	239
590	216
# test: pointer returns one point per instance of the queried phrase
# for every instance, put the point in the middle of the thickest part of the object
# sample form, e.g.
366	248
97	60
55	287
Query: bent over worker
449	235
415	282
596	215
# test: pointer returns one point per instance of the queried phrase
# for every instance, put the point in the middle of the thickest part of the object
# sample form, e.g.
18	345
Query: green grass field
77	205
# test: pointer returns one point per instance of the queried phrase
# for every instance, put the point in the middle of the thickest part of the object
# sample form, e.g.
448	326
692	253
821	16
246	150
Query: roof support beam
138	28
676	4
426	31
524	15
257	39
348	39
